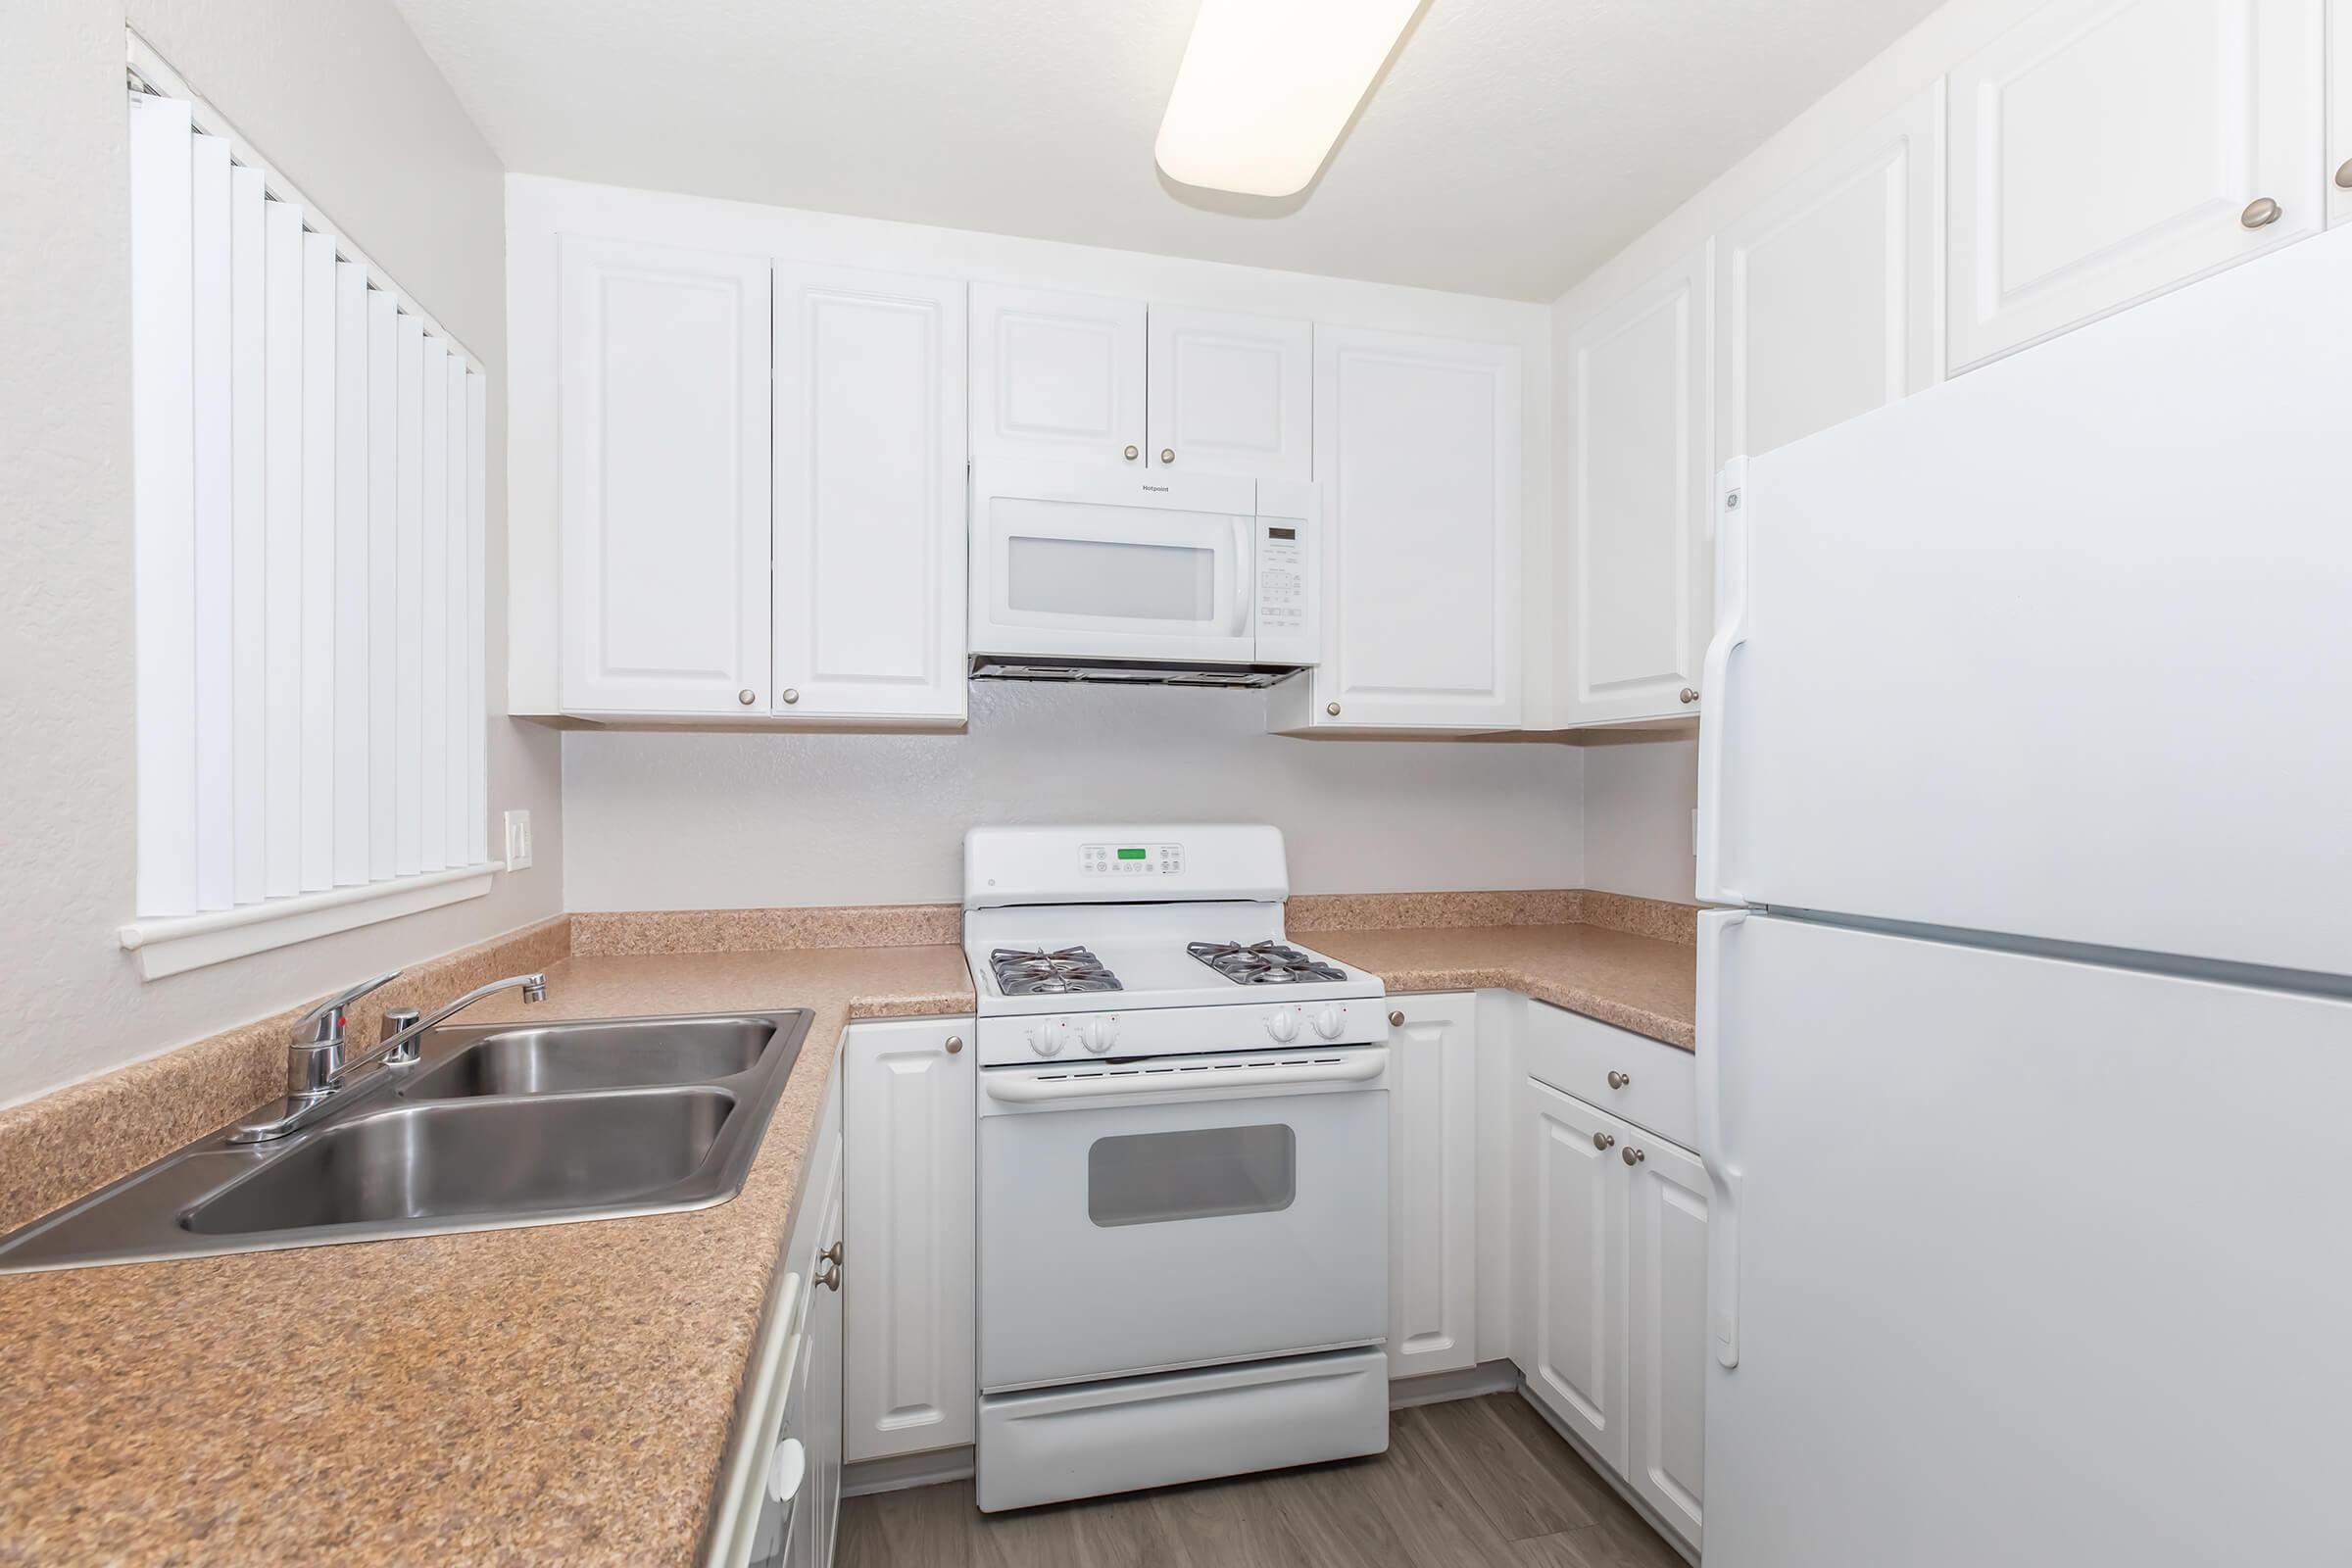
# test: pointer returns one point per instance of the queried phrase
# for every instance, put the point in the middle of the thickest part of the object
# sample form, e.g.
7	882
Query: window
309	495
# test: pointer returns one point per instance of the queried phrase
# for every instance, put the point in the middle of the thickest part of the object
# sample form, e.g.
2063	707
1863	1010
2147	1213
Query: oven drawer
1644	1080
1118	1239
1060	1443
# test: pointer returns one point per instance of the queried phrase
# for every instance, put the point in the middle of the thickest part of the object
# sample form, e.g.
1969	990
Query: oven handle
1360	1066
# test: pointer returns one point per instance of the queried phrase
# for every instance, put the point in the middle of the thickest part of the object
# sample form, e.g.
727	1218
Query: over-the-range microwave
1200	579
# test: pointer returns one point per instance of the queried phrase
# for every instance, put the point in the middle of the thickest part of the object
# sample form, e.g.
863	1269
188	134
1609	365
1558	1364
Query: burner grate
1263	963
1043	973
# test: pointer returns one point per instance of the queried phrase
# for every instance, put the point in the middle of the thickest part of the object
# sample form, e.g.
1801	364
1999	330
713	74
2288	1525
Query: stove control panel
1326	1021
1131	859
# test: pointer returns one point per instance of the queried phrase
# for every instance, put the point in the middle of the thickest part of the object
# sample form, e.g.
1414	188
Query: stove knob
1329	1022
1044	1040
1099	1035
1283	1026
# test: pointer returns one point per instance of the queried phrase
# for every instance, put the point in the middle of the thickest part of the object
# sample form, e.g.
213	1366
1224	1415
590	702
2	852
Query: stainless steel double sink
494	1126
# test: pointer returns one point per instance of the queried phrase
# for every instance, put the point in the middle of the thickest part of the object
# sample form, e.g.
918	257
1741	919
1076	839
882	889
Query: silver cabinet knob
1132	453
1332	709
1690	695
1635	1157
831	1254
747	696
1167	454
1603	1140
1618	1080
829	1276
791	695
1395	1020
955	1043
2260	213
2343	174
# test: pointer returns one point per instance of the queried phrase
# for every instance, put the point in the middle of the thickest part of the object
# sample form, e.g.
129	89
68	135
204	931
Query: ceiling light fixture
1267	88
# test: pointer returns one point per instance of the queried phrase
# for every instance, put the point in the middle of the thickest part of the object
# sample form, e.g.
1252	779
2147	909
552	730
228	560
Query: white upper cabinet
665	480
1057	375
1828	299
869	496
1418	460
1635	503
1433	1185
1231	394
2107	150
2338	156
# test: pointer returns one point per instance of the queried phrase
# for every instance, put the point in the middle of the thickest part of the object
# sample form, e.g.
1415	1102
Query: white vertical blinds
309	479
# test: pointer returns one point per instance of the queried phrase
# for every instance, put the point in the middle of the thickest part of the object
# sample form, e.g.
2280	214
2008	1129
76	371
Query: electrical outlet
518	840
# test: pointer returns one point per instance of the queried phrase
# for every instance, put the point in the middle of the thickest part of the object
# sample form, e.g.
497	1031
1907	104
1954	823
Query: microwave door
1097	580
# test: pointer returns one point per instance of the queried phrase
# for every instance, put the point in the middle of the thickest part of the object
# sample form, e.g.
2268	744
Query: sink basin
494	1126
567	1059
504	1157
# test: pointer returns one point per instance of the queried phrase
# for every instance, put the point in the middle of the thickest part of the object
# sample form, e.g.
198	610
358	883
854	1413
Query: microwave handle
1242	562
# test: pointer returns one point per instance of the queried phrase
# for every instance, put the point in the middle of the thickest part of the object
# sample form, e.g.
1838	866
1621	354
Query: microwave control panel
1286	588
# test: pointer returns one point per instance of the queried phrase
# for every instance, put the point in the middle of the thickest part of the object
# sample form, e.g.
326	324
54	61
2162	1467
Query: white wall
344	101
1640	791
664	821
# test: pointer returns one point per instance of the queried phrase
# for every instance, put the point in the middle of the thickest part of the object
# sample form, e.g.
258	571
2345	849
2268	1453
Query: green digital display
1133	855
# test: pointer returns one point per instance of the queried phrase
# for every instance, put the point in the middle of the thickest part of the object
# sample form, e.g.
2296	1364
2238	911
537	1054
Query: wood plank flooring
1471	1484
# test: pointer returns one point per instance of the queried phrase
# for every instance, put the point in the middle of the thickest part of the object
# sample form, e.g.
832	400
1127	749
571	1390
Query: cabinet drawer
1576	1055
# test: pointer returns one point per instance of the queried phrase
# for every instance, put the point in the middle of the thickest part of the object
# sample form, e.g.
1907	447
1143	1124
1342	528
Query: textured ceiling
1511	146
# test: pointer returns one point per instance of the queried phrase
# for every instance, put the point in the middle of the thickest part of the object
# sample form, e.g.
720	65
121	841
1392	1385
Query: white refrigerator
2025	1030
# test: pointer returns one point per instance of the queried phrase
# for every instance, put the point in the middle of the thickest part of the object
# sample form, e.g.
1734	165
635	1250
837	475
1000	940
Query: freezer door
2063	647
2028	1261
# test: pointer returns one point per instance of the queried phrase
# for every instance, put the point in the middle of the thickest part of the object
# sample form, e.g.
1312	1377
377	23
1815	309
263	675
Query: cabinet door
2339	159
1433	1185
1231	394
1828	299
1666	1274
869	515
1637	502
665	480
1057	375
2107	150
909	1109
824	1333
1572	1265
1418	460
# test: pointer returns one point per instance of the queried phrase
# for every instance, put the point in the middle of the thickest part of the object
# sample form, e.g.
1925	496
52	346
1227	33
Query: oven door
1129	1225
1101	568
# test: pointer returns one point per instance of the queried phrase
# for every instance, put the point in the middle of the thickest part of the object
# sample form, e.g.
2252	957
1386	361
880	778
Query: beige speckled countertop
561	1394
552	1395
1645	984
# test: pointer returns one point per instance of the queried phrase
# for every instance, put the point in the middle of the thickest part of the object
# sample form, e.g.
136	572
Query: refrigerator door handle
1717	930
1735	510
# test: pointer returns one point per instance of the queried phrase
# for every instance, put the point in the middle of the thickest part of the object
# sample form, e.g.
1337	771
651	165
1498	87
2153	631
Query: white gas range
1183	1173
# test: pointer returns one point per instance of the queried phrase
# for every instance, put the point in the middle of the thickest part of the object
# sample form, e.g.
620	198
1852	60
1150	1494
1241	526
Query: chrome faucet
318	1071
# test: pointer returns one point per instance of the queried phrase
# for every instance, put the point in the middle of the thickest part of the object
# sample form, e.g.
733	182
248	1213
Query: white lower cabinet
912	1383
1433	1184
1611	1270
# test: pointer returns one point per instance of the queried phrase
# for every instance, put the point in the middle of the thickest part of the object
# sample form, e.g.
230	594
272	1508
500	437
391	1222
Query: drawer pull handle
1618	1080
1603	1140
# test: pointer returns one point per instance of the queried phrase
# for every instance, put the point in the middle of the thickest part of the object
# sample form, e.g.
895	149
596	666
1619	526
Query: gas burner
1036	972
1263	963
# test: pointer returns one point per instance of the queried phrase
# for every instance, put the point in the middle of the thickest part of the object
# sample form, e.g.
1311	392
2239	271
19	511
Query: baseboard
1462	1383
1616	1482
903	1471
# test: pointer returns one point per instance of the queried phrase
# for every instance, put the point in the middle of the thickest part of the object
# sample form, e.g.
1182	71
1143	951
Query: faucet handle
323	1023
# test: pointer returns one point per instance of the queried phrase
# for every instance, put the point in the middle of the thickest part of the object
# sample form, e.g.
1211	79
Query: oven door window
1194	1173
